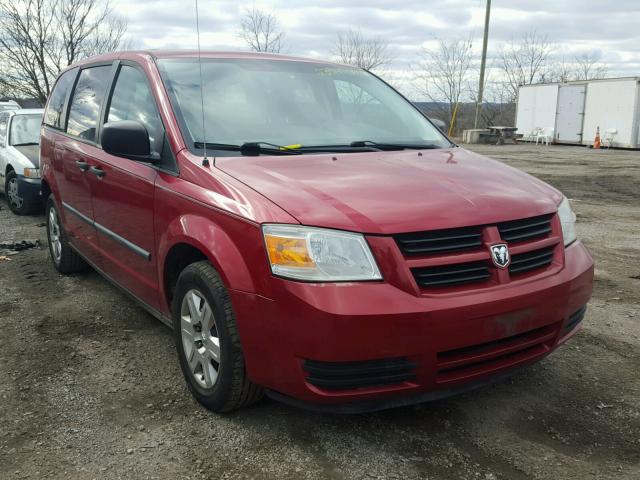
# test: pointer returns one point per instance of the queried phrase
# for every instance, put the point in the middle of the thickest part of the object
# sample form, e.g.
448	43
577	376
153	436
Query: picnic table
503	133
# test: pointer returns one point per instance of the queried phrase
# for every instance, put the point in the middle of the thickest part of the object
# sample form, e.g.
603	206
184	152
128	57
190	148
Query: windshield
290	103
25	129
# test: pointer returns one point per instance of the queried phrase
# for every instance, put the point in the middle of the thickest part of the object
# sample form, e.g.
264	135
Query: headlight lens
319	254
568	221
31	172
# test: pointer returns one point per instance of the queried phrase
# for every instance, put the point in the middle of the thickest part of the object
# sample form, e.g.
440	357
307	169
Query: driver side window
132	100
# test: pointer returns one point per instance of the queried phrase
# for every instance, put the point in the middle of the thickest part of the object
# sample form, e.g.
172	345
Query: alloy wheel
54	235
200	338
12	193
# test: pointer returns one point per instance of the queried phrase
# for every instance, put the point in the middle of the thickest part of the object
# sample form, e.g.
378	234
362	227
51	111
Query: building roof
580	82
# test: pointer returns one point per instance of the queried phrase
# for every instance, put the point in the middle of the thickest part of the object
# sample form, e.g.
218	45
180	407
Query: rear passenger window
132	100
54	115
87	101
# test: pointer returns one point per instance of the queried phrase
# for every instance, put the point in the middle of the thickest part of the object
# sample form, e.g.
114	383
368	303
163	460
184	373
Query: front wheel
207	340
17	203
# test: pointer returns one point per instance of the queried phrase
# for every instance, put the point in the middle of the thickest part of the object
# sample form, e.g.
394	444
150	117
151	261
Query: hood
394	192
31	153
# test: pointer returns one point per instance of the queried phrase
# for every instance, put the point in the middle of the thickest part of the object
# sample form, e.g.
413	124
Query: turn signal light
288	252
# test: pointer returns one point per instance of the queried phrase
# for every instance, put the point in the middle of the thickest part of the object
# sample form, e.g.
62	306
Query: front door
123	192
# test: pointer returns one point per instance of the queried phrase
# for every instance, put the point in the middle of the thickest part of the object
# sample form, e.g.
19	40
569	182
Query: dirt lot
90	386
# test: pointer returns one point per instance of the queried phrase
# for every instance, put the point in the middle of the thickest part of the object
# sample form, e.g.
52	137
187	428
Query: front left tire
207	341
17	204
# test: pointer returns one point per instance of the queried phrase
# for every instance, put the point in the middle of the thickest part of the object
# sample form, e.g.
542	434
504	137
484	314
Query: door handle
97	171
84	166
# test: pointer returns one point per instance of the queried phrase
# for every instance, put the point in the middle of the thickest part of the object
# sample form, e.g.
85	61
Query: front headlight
32	172
319	254
568	221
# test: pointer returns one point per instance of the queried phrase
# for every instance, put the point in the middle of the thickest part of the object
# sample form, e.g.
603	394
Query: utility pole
483	63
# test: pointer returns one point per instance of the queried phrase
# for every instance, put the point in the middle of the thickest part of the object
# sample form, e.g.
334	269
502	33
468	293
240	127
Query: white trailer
575	110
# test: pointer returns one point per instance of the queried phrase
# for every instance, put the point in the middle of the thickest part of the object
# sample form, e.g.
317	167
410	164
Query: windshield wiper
394	146
24	144
250	148
365	146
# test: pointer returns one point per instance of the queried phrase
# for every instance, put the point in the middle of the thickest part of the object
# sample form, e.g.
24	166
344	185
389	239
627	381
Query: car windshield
25	130
290	103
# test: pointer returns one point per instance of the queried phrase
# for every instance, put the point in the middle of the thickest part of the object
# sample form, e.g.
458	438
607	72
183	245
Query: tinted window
25	130
132	100
54	115
86	102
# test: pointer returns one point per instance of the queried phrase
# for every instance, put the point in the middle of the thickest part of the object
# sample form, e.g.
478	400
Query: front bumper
29	189
452	342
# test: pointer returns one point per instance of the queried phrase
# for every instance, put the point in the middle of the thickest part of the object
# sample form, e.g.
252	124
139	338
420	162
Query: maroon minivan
306	231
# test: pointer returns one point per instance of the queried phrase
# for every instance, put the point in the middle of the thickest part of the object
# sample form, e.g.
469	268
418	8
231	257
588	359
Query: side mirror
128	139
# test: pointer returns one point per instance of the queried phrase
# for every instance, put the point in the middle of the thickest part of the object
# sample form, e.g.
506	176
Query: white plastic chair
609	135
545	134
529	137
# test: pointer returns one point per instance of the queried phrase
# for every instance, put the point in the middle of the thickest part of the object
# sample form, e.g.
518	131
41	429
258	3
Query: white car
9	105
20	159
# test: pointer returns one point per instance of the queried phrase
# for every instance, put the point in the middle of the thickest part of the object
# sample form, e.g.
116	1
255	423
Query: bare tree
527	61
261	30
40	37
444	76
353	48
563	70
86	30
498	109
589	67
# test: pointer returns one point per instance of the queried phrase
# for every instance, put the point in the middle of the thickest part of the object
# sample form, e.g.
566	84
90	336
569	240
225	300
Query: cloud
574	26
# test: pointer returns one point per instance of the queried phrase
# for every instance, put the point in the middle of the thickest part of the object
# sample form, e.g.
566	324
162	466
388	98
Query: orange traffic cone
596	142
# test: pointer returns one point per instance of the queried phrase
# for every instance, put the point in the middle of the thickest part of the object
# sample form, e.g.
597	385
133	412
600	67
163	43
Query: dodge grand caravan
306	231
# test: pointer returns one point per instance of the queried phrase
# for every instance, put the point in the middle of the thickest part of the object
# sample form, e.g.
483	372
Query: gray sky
611	28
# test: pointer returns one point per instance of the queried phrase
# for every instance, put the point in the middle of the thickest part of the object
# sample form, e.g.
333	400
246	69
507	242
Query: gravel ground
90	385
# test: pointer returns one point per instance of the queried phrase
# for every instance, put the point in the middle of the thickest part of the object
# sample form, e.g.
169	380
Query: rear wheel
65	259
17	204
206	336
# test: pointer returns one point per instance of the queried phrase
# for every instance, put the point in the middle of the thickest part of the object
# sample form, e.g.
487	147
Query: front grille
525	229
439	241
486	357
447	275
574	319
434	257
349	375
525	262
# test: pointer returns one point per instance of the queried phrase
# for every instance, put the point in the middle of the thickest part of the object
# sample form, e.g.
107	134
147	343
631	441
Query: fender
210	238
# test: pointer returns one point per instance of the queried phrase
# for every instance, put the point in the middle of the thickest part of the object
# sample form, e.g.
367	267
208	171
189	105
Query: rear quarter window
54	114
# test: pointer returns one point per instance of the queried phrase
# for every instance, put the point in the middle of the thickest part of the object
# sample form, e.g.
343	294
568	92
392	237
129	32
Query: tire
17	204
65	259
200	292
